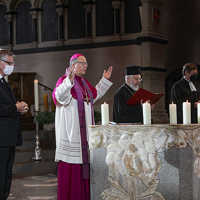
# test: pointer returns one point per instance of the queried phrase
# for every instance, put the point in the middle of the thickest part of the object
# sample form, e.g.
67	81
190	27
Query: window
23	23
49	21
4	26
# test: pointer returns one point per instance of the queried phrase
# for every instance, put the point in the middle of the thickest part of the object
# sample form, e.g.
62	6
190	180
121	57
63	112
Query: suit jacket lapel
7	90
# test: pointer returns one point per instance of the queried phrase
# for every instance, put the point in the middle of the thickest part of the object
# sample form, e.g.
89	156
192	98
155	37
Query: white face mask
8	69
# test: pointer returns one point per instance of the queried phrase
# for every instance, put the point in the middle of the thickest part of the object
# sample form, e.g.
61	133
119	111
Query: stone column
153	51
115	5
89	9
34	25
122	18
65	21
36	21
60	12
39	27
94	20
11	17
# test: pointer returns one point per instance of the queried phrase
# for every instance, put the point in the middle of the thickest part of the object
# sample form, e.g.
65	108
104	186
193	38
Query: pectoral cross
87	99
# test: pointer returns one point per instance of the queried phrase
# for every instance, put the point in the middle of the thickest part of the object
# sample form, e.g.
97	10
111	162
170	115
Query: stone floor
34	188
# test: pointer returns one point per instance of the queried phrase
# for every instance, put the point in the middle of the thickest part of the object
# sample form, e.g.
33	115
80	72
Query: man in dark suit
10	134
186	89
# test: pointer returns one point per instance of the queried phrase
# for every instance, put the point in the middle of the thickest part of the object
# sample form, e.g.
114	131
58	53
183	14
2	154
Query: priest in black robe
186	89
122	112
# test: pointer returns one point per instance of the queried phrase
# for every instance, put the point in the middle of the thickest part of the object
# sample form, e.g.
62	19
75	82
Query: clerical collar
191	84
186	79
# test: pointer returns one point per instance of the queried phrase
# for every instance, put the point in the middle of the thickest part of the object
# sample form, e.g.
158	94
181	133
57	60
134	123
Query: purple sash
82	120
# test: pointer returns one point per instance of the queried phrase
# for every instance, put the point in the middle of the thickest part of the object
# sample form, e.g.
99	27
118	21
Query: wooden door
22	85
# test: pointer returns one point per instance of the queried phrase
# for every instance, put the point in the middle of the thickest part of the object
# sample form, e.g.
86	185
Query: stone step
27	157
28	146
23	157
34	188
34	169
24	164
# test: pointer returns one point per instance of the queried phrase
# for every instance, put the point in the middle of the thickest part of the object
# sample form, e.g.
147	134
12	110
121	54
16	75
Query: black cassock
122	112
180	93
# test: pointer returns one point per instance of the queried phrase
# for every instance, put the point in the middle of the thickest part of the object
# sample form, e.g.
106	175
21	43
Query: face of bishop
81	66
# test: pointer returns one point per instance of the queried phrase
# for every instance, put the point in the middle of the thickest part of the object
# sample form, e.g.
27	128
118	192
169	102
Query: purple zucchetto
75	56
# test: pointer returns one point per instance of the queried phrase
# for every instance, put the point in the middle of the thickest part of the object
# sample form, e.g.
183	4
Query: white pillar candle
146	113
186	112
198	113
36	95
172	113
104	113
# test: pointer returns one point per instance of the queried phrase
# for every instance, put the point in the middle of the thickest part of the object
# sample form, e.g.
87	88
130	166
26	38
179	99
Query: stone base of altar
176	179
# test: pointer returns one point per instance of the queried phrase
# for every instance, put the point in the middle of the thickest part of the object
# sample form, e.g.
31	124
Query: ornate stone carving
133	156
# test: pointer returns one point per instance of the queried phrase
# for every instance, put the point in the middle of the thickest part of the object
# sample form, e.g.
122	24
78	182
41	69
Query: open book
144	95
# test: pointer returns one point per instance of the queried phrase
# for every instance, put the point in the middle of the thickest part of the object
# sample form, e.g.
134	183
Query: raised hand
107	73
72	73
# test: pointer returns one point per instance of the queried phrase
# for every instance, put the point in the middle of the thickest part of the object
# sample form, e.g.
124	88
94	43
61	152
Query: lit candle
198	113
104	113
186	112
146	113
36	95
46	102
172	113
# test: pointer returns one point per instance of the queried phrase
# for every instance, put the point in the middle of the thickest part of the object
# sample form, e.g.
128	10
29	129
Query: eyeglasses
9	63
82	63
138	79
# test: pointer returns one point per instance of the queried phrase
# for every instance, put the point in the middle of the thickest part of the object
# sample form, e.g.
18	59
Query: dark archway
132	16
76	19
49	21
4	26
104	17
23	23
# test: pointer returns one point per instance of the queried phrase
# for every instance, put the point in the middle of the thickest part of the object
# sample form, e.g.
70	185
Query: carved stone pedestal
139	162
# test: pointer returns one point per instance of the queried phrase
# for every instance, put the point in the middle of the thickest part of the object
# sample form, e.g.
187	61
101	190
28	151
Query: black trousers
7	155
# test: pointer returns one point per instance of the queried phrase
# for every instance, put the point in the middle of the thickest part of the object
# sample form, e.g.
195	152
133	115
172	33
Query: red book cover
144	95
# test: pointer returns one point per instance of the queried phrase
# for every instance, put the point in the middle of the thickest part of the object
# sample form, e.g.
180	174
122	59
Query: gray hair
4	53
73	62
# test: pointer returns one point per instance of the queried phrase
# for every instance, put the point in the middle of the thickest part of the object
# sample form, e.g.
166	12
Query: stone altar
145	162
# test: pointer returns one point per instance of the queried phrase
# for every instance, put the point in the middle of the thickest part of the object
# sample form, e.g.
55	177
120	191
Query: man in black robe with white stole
186	89
122	112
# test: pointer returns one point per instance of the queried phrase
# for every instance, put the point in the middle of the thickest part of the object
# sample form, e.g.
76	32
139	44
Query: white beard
135	88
